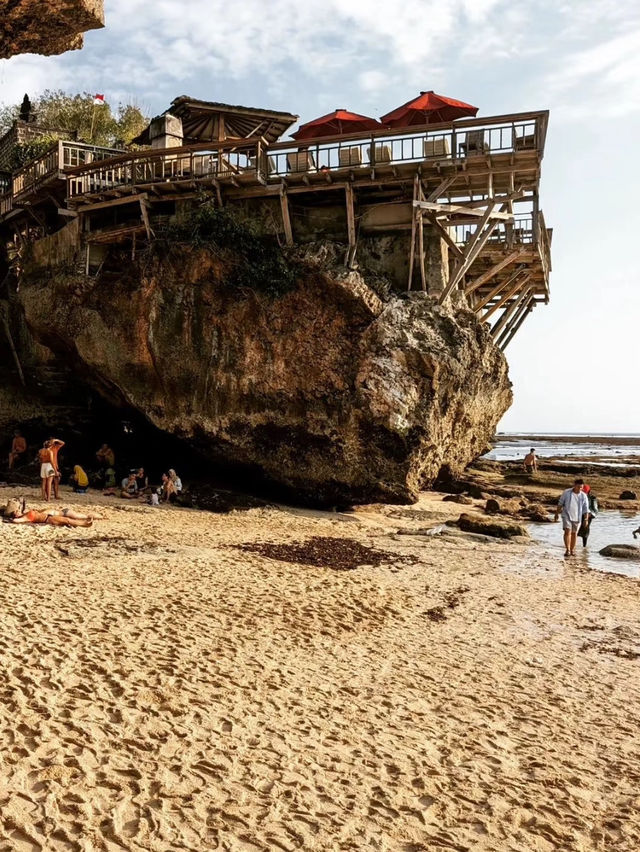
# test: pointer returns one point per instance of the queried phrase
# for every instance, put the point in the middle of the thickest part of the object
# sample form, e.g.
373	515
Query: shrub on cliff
254	260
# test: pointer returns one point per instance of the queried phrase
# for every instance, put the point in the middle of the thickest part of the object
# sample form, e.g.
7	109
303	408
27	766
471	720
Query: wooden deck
473	182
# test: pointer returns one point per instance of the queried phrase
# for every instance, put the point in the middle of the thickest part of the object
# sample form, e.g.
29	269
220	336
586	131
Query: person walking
585	526
574	507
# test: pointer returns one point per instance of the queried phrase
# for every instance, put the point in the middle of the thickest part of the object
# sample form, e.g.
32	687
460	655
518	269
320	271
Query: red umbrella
427	108
336	123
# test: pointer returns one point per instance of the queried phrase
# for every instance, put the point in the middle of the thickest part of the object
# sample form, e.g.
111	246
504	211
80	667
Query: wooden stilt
498	267
496	290
505	298
351	225
286	218
509	313
508	337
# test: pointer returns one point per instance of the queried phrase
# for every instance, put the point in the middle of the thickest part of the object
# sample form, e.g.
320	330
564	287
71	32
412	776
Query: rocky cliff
321	386
46	26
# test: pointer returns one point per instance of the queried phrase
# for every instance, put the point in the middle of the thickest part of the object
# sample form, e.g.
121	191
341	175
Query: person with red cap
585	526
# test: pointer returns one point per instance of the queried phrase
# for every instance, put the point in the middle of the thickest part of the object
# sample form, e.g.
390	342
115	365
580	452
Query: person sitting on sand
177	482
574	506
47	470
129	487
530	462
106	457
18	448
585	526
79	480
142	481
167	490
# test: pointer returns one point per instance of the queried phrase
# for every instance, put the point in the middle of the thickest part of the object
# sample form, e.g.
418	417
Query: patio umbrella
427	108
336	123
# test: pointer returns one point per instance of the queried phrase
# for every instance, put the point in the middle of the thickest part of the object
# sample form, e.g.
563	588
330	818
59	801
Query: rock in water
621	551
324	388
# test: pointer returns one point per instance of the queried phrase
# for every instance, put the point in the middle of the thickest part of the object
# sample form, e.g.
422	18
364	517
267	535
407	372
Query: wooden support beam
113	202
14	351
521	282
471	251
497	289
286	218
351	216
144	210
468	211
509	312
495	269
446	236
423	273
516	316
216	185
439	191
508	337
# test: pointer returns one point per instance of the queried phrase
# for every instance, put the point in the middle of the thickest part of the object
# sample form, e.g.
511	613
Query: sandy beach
163	689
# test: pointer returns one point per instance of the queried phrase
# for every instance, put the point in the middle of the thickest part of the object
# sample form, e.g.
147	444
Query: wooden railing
544	245
62	155
457	141
6	203
453	142
167	165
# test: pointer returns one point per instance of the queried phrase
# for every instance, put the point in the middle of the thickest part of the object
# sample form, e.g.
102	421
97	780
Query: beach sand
164	690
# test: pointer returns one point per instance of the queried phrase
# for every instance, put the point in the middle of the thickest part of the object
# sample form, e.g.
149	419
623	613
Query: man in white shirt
574	506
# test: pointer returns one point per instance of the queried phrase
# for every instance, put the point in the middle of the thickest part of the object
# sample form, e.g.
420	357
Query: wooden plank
113	202
495	269
520	309
440	189
286	218
458	208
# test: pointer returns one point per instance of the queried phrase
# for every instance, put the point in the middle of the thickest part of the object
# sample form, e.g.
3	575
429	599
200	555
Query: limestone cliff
46	26
325	388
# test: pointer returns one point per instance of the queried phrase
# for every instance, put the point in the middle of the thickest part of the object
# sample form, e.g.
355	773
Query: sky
573	361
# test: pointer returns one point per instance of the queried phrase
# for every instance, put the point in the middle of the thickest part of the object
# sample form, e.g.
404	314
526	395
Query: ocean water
609	527
607	449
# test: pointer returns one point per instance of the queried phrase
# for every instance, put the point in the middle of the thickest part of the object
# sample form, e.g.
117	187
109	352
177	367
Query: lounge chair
436	148
381	156
301	161
474	144
351	156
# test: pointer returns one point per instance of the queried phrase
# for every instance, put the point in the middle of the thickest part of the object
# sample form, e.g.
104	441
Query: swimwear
46	470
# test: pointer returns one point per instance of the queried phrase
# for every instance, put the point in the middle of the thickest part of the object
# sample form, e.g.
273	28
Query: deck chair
351	156
380	156
527	142
474	144
436	148
301	161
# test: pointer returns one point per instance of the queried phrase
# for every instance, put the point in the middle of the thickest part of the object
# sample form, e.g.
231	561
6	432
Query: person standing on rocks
574	507
530	462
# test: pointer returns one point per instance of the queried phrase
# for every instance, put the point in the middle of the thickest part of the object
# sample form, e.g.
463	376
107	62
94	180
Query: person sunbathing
53	517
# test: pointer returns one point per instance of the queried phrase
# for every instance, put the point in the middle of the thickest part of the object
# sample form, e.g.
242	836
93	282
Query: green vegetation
254	260
98	125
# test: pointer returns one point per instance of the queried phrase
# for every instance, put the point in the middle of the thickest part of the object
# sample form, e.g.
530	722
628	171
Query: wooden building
456	204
